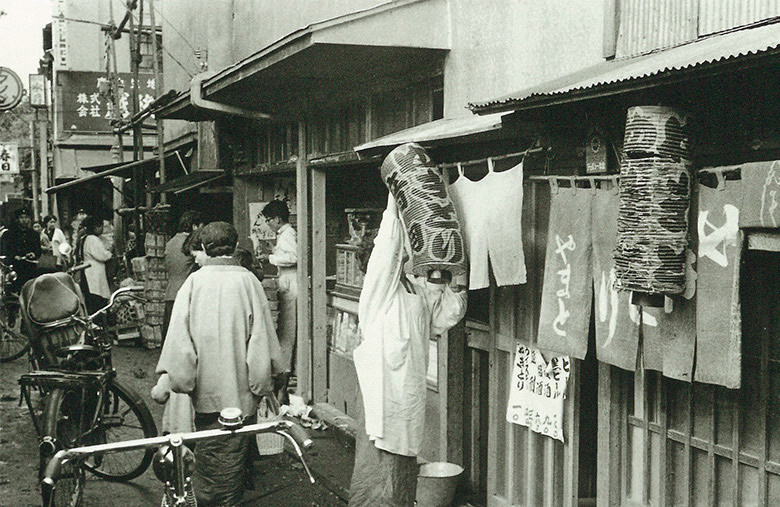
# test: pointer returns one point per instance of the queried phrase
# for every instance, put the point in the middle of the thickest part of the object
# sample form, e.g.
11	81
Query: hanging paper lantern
655	194
430	219
657	131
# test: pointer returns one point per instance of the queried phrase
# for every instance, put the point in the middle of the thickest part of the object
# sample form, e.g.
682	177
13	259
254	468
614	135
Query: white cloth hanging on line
490	212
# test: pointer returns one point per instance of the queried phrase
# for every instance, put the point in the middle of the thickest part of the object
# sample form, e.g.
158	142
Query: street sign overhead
11	89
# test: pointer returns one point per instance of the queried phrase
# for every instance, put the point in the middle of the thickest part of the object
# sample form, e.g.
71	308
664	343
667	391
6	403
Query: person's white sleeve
57	239
384	268
96	249
285	252
178	357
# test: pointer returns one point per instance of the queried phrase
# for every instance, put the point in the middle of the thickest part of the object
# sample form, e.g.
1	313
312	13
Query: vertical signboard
60	34
9	158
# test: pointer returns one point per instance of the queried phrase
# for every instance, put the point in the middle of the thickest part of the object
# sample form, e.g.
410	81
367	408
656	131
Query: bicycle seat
51	297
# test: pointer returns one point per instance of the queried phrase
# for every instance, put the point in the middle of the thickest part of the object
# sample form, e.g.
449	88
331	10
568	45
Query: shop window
699	444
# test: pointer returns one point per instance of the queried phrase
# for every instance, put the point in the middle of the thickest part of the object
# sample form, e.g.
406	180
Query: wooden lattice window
702	445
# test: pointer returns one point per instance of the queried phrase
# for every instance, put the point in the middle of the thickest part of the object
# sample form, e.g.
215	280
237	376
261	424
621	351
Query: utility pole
135	57
43	150
118	148
158	88
33	178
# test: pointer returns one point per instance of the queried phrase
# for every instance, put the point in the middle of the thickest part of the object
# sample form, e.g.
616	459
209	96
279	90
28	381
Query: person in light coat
222	350
92	250
398	313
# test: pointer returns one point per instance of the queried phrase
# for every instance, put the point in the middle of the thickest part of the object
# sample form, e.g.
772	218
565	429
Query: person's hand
162	390
263	257
392	207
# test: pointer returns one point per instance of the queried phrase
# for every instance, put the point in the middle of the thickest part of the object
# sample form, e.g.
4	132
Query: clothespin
592	181
721	180
573	180
553	185
616	185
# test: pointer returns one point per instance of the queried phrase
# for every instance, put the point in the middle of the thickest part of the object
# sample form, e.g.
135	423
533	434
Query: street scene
431	253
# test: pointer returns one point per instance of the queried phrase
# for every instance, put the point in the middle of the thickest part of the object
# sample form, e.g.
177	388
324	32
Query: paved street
279	480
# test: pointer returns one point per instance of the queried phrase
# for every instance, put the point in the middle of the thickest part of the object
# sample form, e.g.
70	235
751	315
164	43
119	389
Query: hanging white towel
490	212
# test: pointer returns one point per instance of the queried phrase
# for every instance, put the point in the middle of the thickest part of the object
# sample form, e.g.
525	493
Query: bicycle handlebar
117	293
79	267
292	431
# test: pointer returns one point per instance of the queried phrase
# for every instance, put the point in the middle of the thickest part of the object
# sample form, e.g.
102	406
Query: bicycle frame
181	479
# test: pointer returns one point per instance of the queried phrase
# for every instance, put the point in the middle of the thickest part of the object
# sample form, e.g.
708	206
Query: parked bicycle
173	460
86	403
13	343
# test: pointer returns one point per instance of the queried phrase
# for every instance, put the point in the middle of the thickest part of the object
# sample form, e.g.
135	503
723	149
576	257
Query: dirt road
279	480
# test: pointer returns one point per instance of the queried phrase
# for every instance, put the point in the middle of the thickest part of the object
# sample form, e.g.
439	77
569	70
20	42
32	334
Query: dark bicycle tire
124	416
59	427
13	343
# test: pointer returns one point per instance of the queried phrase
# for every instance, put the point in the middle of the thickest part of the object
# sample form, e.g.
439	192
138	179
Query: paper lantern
431	222
655	195
657	131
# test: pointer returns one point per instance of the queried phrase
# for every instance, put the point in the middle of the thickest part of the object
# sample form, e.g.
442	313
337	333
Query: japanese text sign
537	392
84	108
9	158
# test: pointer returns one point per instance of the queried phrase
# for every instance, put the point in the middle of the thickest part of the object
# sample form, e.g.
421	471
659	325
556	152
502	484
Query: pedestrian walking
91	249
56	238
398	313
222	349
21	245
285	257
178	262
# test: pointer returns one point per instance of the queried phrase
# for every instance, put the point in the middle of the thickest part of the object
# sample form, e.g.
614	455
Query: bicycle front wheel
123	416
13	344
61	426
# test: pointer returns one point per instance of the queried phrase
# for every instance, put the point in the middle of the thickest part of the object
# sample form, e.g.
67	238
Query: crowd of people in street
221	347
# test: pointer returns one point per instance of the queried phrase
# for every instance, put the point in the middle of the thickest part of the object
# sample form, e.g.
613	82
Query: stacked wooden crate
156	275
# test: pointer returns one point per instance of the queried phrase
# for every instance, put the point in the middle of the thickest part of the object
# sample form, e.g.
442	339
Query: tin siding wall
646	25
717	15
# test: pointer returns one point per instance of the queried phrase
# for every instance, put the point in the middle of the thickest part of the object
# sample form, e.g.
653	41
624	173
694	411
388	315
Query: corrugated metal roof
711	50
445	128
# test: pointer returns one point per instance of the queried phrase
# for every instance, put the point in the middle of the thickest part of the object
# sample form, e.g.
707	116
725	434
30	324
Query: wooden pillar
304	351
319	296
452	350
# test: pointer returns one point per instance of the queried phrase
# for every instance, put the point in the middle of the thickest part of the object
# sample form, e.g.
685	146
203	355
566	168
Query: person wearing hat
222	349
21	246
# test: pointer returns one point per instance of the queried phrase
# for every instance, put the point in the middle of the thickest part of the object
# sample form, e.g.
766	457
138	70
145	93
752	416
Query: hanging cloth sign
564	320
669	334
617	328
760	205
718	321
537	392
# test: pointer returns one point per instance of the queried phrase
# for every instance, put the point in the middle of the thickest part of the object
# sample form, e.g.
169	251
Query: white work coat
396	322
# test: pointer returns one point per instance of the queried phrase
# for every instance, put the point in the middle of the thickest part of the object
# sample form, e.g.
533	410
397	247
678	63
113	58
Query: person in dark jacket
21	246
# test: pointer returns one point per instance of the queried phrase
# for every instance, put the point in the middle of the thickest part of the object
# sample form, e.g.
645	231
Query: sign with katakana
11	89
9	158
85	108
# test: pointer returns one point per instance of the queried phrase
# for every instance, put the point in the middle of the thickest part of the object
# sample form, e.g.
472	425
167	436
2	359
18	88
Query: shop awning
715	54
189	181
105	171
337	56
449	130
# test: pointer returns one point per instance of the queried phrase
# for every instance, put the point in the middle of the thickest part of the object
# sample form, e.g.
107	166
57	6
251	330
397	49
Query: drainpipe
196	97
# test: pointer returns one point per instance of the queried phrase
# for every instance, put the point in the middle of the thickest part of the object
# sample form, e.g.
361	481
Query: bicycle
173	459
85	402
13	343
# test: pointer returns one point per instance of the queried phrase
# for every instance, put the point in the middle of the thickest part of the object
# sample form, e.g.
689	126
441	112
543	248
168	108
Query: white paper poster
537	392
259	231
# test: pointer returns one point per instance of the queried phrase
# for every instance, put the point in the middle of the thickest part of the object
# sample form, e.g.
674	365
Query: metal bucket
436	484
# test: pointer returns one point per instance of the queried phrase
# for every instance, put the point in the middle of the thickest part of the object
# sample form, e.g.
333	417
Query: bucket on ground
436	484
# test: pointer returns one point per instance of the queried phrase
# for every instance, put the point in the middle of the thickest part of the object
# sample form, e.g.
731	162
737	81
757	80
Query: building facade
283	110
